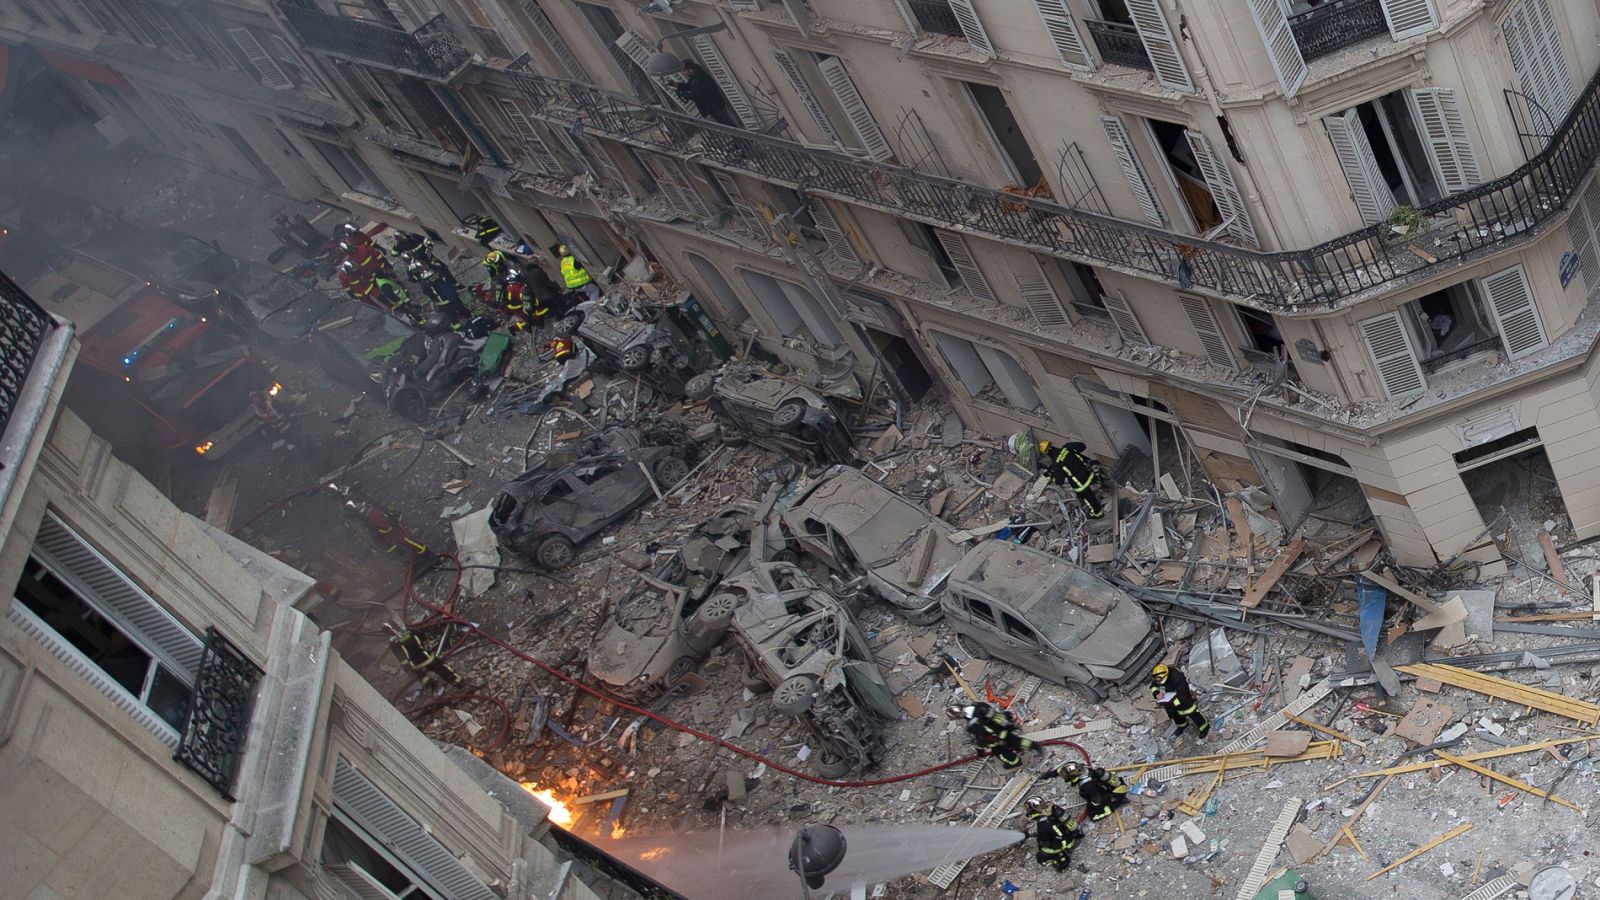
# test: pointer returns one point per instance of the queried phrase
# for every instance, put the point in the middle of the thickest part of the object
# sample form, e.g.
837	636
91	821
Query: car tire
754	683
831	764
408	403
795	695
680	667
788	416
567	326
669	471
555	552
699	387
635	359
716	614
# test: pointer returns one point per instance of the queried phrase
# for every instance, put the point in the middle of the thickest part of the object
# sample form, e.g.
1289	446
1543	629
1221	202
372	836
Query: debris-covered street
813	573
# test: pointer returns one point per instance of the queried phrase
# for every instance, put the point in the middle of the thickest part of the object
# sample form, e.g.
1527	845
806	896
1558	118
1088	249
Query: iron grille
433	51
935	16
23	325
214	733
1334	26
1432	366
1119	44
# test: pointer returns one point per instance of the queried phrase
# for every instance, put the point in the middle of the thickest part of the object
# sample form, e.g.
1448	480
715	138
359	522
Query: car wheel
569	325
408	403
555	552
831	764
680	667
635	359
699	387
789	416
794	696
670	471
753	682
717	612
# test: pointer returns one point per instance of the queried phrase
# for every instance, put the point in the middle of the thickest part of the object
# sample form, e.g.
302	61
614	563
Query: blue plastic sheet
1373	600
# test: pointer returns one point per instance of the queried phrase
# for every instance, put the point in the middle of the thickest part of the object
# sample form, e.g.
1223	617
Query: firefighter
440	286
416	657
271	419
367	257
504	299
349	233
995	732
1069	466
1171	691
499	268
413	247
350	277
561	348
392	293
573	275
1102	791
1055	832
484	229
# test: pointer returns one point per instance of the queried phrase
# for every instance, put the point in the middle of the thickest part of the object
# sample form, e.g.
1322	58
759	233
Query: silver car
1045	615
858	527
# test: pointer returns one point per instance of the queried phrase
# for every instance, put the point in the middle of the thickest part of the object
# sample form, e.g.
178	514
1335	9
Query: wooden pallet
992	815
1510	691
1269	849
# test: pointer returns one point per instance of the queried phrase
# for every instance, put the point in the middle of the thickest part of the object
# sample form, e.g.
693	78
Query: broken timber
1269	849
1237	761
1502	689
1506	780
1392	587
1271	723
1450	835
1471	757
991	817
1269	579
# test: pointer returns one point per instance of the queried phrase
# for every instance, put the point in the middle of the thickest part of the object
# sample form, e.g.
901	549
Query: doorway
1511	477
1173	143
905	365
1007	133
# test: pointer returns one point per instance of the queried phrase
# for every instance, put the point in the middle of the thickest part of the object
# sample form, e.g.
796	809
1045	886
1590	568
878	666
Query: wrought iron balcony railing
1119	44
433	51
935	16
214	735
1334	26
1491	216
23	325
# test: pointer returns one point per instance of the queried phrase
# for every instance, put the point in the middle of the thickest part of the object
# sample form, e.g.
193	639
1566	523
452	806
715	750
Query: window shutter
531	145
741	204
1536	54
639	50
1367	187
359	881
961	256
400	834
799	14
1063	31
912	25
675	186
1511	304
1282	48
553	39
717	67
791	70
744	5
855	108
1219	178
1409	18
1445	135
1042	299
271	73
1581	233
832	230
1198	309
1158	43
1138	182
967	17
1392	354
1010	377
1122	316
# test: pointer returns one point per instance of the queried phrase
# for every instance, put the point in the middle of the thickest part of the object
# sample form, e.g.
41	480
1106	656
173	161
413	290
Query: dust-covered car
858	527
547	511
1045	615
665	625
648	341
779	413
803	642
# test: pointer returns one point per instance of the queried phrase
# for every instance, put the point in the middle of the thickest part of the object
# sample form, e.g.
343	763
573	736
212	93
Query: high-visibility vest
573	274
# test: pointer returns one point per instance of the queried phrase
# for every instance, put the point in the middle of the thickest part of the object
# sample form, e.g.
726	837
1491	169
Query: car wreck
1047	616
656	344
803	642
778	413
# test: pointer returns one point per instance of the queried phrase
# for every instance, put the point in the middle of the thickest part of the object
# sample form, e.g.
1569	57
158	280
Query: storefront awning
82	68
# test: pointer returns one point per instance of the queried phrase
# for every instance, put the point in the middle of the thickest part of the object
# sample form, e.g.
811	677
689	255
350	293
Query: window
1007	133
1539	59
830	96
922	237
1408	147
182	113
1018	629
795	310
290	61
608	28
980	610
1450	325
355	173
369	829
1083	286
989	374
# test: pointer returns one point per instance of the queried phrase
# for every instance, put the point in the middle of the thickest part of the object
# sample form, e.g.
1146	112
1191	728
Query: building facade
172	726
1350	243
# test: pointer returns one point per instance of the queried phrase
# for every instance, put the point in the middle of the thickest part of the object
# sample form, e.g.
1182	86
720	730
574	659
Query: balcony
432	52
1119	44
23	325
1334	26
935	16
212	744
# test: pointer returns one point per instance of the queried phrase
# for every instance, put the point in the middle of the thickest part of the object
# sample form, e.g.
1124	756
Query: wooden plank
1475	757
1241	524
1584	616
1553	559
605	795
1450	835
1507	780
1169	486
1336	735
1511	691
1389	585
1354	817
1280	566
219	505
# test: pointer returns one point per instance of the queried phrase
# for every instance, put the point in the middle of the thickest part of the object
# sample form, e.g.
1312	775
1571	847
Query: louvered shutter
744	5
1445	135
855	108
741	203
1064	34
1511	304
1219	178
1581	233
717	67
1394	358
1042	299
675	186
1538	57
1282	48
271	73
1133	170
359	881
799	14
1215	343
960	253
1159	44
912	25
400	834
70	558
962	355
791	71
558	45
639	50
1409	18
531	145
971	27
832	230
1122	316
1368	189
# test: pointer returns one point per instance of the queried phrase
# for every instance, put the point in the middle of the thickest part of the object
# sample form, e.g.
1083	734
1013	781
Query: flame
653	854
560	813
617	831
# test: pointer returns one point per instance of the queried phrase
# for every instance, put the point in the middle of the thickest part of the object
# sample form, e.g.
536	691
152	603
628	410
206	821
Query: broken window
1018	629
795	310
989	374
1083	285
1007	134
1450	325
980	610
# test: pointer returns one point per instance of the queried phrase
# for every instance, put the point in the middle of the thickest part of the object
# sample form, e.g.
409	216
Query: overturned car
779	413
657	344
804	643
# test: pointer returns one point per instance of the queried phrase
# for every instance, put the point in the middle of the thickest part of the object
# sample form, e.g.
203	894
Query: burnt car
647	341
547	511
776	412
859	528
804	642
665	626
1037	611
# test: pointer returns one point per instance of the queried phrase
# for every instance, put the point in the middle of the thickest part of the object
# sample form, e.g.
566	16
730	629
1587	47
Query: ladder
996	812
1066	731
1269	850
971	771
1492	889
1271	723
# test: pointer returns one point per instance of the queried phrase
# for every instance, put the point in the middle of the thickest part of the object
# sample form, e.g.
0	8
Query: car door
1024	646
602	490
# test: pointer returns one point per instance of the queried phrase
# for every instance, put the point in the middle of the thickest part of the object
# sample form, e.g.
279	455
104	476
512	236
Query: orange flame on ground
617	831
560	813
